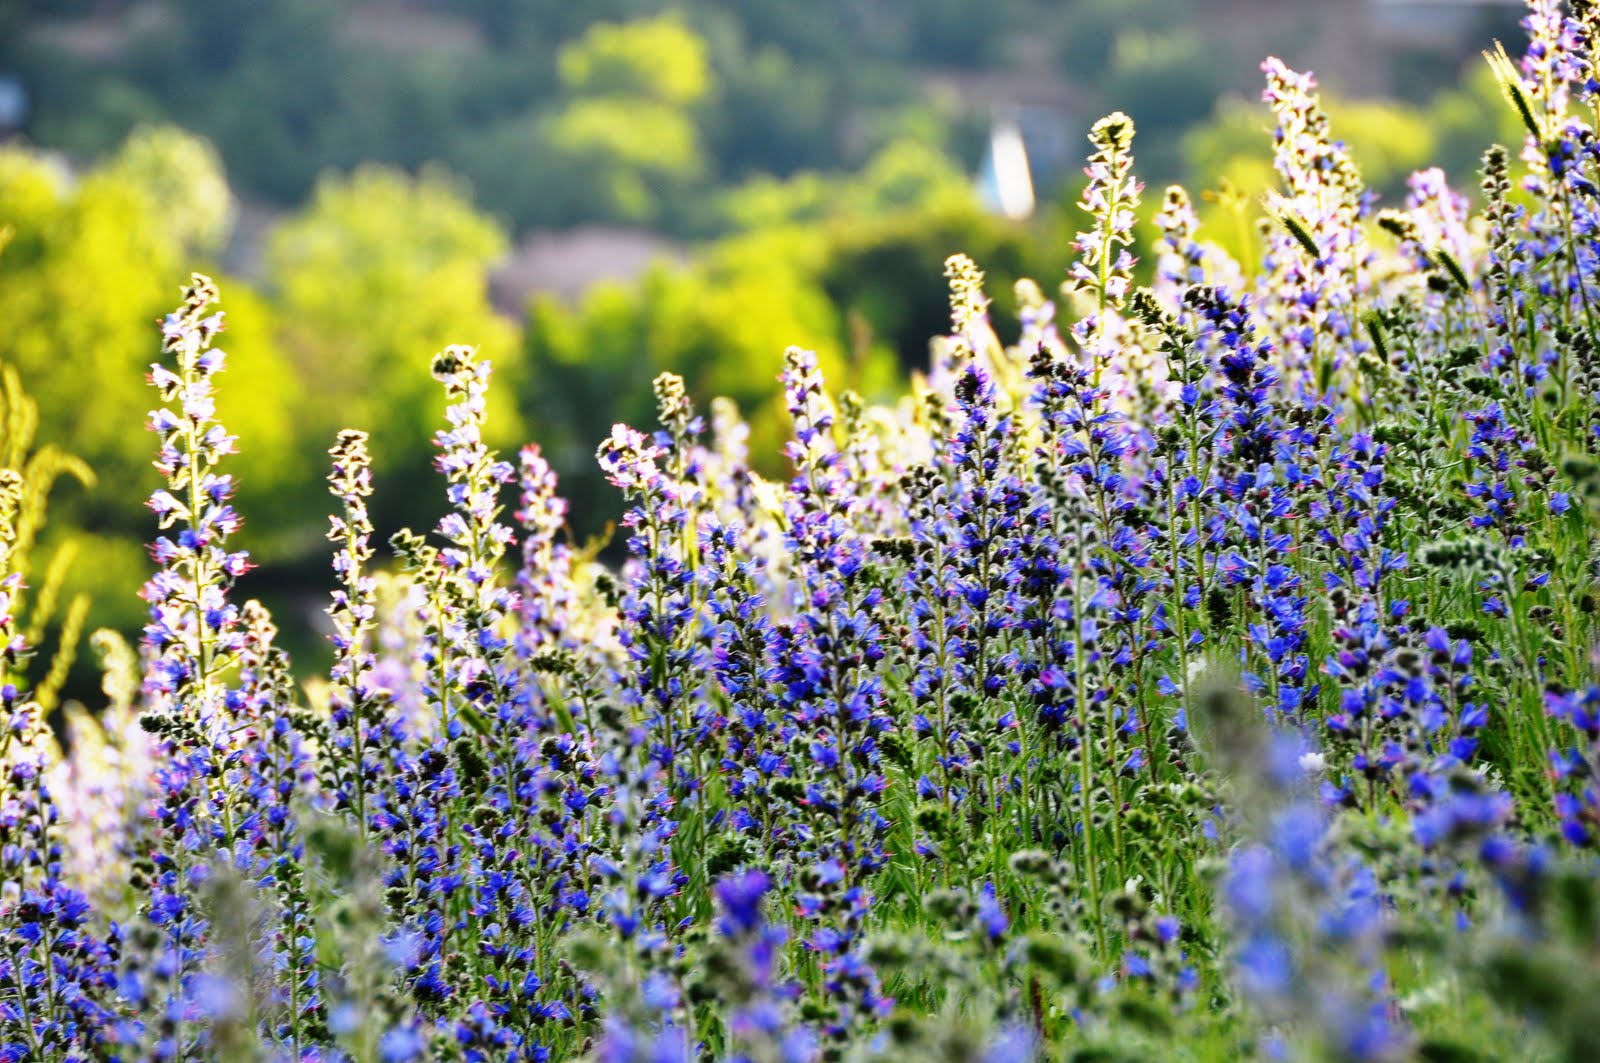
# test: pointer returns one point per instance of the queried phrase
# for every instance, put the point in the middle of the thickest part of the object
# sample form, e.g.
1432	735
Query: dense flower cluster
1212	675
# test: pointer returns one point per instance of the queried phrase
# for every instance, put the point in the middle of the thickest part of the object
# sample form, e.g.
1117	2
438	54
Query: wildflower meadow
1199	670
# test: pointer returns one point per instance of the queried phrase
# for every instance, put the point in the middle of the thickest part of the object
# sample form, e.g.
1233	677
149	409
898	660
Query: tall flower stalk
192	638
357	705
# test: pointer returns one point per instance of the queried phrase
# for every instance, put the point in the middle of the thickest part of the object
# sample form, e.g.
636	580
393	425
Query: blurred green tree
658	59
183	177
620	142
92	262
770	114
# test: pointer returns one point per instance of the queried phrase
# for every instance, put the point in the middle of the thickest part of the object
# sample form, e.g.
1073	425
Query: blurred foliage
636	111
183	177
80	283
1168	81
905	175
656	59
